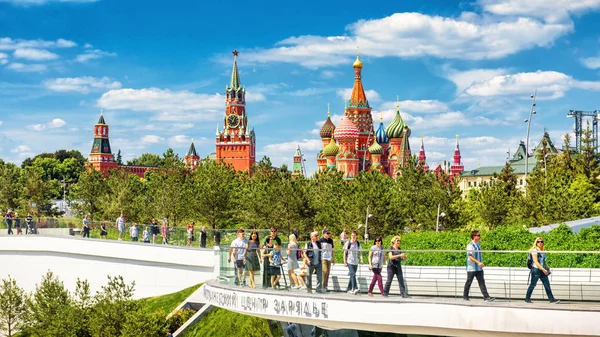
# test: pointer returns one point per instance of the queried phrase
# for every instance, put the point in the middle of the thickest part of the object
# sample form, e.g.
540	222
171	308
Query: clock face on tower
233	120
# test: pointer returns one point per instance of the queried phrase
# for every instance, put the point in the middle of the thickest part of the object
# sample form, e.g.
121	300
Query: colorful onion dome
394	130
346	129
357	63
331	149
407	130
375	148
328	128
381	136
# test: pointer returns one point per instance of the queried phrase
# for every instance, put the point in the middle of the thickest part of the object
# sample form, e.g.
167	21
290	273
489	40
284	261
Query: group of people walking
317	257
12	219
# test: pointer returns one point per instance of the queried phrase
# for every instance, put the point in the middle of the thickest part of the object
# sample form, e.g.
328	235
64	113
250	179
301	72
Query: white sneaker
356	291
302	287
350	291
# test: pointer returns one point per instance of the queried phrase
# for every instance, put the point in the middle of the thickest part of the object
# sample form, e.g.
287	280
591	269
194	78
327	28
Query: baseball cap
326	231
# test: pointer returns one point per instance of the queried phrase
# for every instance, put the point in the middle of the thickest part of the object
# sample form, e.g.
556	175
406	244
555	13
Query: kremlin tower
191	159
101	157
457	167
298	168
236	143
422	157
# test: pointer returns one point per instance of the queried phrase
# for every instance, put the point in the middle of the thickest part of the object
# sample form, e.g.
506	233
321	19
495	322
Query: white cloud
549	85
183	126
6	43
372	95
152	139
20	149
590	62
179	141
92	54
305	144
471	36
81	84
53	124
309	92
34	54
464	79
27	68
3	58
87	46
421	106
0	123
552	11
43	2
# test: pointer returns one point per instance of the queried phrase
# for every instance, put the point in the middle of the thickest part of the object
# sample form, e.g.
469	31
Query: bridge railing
437	273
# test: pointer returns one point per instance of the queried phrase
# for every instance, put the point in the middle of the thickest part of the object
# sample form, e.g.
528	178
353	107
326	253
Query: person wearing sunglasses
276	239
376	259
475	268
539	271
394	268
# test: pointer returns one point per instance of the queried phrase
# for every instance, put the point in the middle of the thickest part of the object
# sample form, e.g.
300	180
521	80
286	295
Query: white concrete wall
156	269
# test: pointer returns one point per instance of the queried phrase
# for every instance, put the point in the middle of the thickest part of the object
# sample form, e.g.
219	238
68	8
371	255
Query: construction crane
578	115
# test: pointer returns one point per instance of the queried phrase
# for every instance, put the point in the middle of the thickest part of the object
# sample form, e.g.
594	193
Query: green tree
588	157
124	194
9	185
147	160
119	158
87	194
12	306
142	322
164	195
50	309
111	304
37	193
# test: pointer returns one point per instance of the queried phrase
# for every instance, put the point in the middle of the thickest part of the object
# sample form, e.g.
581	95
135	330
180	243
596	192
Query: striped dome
375	148
327	129
346	129
331	149
381	136
394	130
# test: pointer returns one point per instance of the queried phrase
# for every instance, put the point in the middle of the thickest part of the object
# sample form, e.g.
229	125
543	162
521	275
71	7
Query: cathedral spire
235	83
423	157
358	99
457	167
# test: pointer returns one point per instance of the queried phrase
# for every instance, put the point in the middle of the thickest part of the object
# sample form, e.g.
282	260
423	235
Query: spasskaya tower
236	143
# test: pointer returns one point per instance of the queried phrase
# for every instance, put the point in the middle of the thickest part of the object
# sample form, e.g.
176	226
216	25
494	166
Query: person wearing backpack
475	268
312	258
351	251
539	270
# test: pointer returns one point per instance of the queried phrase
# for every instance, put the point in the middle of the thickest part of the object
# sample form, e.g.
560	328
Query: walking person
190	234
134	232
264	259
292	253
164	229
154	229
351	252
394	268
475	268
312	258
9	221
203	236
86	227
217	237
238	252
327	256
252	257
376	259
17	221
539	271
121	226
103	231
29	223
276	261
146	235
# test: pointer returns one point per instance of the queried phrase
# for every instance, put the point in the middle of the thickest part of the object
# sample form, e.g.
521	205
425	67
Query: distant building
298	167
484	175
101	157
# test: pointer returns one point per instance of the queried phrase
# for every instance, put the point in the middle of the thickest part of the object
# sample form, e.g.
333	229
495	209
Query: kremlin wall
350	147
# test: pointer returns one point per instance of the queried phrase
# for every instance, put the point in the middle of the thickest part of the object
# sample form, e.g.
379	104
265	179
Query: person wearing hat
327	256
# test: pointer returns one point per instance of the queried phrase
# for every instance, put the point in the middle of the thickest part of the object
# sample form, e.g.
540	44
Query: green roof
488	171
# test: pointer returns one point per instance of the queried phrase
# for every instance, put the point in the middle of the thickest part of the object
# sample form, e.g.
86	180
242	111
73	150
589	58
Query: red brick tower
101	158
359	112
236	144
423	157
457	167
191	159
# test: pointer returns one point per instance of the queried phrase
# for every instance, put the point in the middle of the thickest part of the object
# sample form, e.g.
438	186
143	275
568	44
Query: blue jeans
352	273
395	270
536	275
319	271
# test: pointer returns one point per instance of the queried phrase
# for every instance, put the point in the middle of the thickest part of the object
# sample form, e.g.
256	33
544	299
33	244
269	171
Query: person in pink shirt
164	229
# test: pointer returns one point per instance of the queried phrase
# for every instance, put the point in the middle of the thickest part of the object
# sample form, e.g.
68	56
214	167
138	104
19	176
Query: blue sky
159	72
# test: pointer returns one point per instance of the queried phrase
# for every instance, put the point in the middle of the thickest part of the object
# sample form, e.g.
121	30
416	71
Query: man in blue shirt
475	268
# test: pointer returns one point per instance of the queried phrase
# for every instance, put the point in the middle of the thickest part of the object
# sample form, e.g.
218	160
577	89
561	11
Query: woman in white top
376	259
292	253
539	271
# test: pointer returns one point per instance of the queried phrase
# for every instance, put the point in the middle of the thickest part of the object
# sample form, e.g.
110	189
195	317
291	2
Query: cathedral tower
399	151
457	166
191	159
101	156
236	143
359	112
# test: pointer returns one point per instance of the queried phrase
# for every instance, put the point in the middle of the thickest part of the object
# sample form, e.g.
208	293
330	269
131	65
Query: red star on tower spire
235	52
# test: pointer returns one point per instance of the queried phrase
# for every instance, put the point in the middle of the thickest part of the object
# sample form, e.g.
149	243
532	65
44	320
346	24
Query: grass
168	302
224	323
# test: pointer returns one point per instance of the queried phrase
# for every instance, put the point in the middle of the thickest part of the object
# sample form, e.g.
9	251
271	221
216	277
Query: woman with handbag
539	271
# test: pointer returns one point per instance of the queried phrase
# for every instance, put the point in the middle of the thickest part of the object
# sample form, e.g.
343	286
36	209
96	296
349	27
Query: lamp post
437	223
367	224
528	121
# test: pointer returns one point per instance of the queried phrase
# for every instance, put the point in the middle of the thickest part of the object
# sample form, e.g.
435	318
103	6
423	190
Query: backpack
529	261
298	253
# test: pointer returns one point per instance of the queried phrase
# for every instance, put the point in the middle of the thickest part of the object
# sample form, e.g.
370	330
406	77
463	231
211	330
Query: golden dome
357	63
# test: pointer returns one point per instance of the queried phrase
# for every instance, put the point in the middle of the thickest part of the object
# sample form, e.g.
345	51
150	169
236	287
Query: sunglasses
477	235
378	241
540	242
273	231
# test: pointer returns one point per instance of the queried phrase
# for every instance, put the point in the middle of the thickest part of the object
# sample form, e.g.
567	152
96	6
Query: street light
437	223
528	121
366	224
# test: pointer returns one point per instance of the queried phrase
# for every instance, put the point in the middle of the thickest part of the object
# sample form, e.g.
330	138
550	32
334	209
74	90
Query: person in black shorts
154	229
217	237
103	231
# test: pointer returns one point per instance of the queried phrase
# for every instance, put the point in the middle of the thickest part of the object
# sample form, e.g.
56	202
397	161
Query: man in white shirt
121	226
238	251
